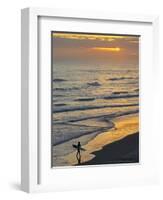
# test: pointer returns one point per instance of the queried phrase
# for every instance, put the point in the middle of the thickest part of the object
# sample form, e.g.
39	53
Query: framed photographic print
86	95
95	99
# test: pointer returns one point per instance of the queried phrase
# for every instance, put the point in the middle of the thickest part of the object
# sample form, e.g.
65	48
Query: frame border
30	79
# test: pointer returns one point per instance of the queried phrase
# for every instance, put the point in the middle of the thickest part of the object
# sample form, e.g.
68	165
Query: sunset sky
95	49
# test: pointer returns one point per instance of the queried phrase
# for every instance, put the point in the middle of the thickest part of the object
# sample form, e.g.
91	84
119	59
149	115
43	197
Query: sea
85	100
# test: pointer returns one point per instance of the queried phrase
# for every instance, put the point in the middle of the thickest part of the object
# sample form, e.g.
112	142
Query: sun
117	49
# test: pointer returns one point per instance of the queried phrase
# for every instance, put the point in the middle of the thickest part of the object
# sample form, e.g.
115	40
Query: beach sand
125	150
118	145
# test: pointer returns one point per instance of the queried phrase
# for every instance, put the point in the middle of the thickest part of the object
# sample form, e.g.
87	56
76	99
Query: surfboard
76	147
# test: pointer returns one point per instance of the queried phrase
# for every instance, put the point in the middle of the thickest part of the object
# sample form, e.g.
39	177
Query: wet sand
118	145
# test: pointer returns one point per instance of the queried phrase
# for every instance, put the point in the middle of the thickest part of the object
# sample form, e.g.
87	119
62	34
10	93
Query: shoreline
124	126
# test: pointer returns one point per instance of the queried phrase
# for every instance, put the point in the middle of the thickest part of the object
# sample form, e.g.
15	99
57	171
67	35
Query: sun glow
111	49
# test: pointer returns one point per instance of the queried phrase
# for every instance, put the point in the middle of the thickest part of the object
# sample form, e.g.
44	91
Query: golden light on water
112	49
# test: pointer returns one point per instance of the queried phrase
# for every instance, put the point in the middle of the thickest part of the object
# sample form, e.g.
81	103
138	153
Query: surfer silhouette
78	154
78	150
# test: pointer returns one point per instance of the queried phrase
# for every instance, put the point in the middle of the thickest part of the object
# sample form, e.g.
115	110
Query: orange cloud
78	36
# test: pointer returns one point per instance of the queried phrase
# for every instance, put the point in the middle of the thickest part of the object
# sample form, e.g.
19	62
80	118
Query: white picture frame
36	173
